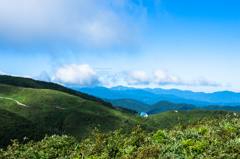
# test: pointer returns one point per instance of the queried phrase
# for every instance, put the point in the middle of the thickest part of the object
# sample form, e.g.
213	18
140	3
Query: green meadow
78	117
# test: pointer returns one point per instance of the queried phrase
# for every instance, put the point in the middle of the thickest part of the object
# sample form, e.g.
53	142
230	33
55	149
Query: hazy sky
188	45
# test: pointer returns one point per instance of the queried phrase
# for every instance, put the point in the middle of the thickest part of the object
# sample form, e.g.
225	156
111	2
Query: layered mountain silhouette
164	106
152	96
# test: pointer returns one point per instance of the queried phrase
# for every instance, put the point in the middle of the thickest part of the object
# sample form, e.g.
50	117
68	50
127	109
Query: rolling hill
30	83
63	113
169	118
164	106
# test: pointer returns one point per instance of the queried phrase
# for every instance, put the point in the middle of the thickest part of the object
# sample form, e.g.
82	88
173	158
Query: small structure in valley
144	114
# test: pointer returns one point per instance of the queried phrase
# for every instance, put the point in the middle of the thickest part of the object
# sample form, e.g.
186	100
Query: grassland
78	120
31	83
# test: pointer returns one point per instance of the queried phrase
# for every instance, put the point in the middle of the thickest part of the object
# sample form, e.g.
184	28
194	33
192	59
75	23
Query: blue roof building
144	114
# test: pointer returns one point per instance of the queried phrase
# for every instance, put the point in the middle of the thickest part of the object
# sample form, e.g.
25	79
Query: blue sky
188	45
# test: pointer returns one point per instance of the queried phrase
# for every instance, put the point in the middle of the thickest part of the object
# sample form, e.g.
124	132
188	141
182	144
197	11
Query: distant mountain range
216	97
129	104
152	96
164	106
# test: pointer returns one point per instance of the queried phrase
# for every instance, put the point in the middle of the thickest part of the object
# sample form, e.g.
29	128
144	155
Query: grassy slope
77	121
171	117
81	120
17	127
30	83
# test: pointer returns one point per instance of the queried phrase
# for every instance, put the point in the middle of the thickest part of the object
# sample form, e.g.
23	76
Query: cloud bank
2	73
83	76
137	78
26	76
76	75
164	77
73	22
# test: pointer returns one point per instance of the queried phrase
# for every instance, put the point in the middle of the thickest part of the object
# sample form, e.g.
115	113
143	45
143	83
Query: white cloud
77	75
26	76
87	22
137	77
205	82
164	77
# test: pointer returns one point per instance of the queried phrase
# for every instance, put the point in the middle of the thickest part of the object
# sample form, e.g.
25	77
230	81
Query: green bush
159	137
210	139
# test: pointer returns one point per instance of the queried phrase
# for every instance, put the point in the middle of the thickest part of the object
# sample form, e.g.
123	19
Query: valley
42	111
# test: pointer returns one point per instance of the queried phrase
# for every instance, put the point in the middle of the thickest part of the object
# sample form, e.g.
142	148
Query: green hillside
13	126
166	119
30	83
62	113
164	106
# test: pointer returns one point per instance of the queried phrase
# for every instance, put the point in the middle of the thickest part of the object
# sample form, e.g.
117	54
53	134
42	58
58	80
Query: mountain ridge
151	96
163	106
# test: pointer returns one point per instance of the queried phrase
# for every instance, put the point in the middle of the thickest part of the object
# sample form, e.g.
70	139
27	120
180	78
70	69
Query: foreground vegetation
170	118
203	138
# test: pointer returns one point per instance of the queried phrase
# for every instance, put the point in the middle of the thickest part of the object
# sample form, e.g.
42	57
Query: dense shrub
208	139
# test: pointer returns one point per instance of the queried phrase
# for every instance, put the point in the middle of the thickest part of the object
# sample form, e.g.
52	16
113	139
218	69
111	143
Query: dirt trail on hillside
15	101
28	106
